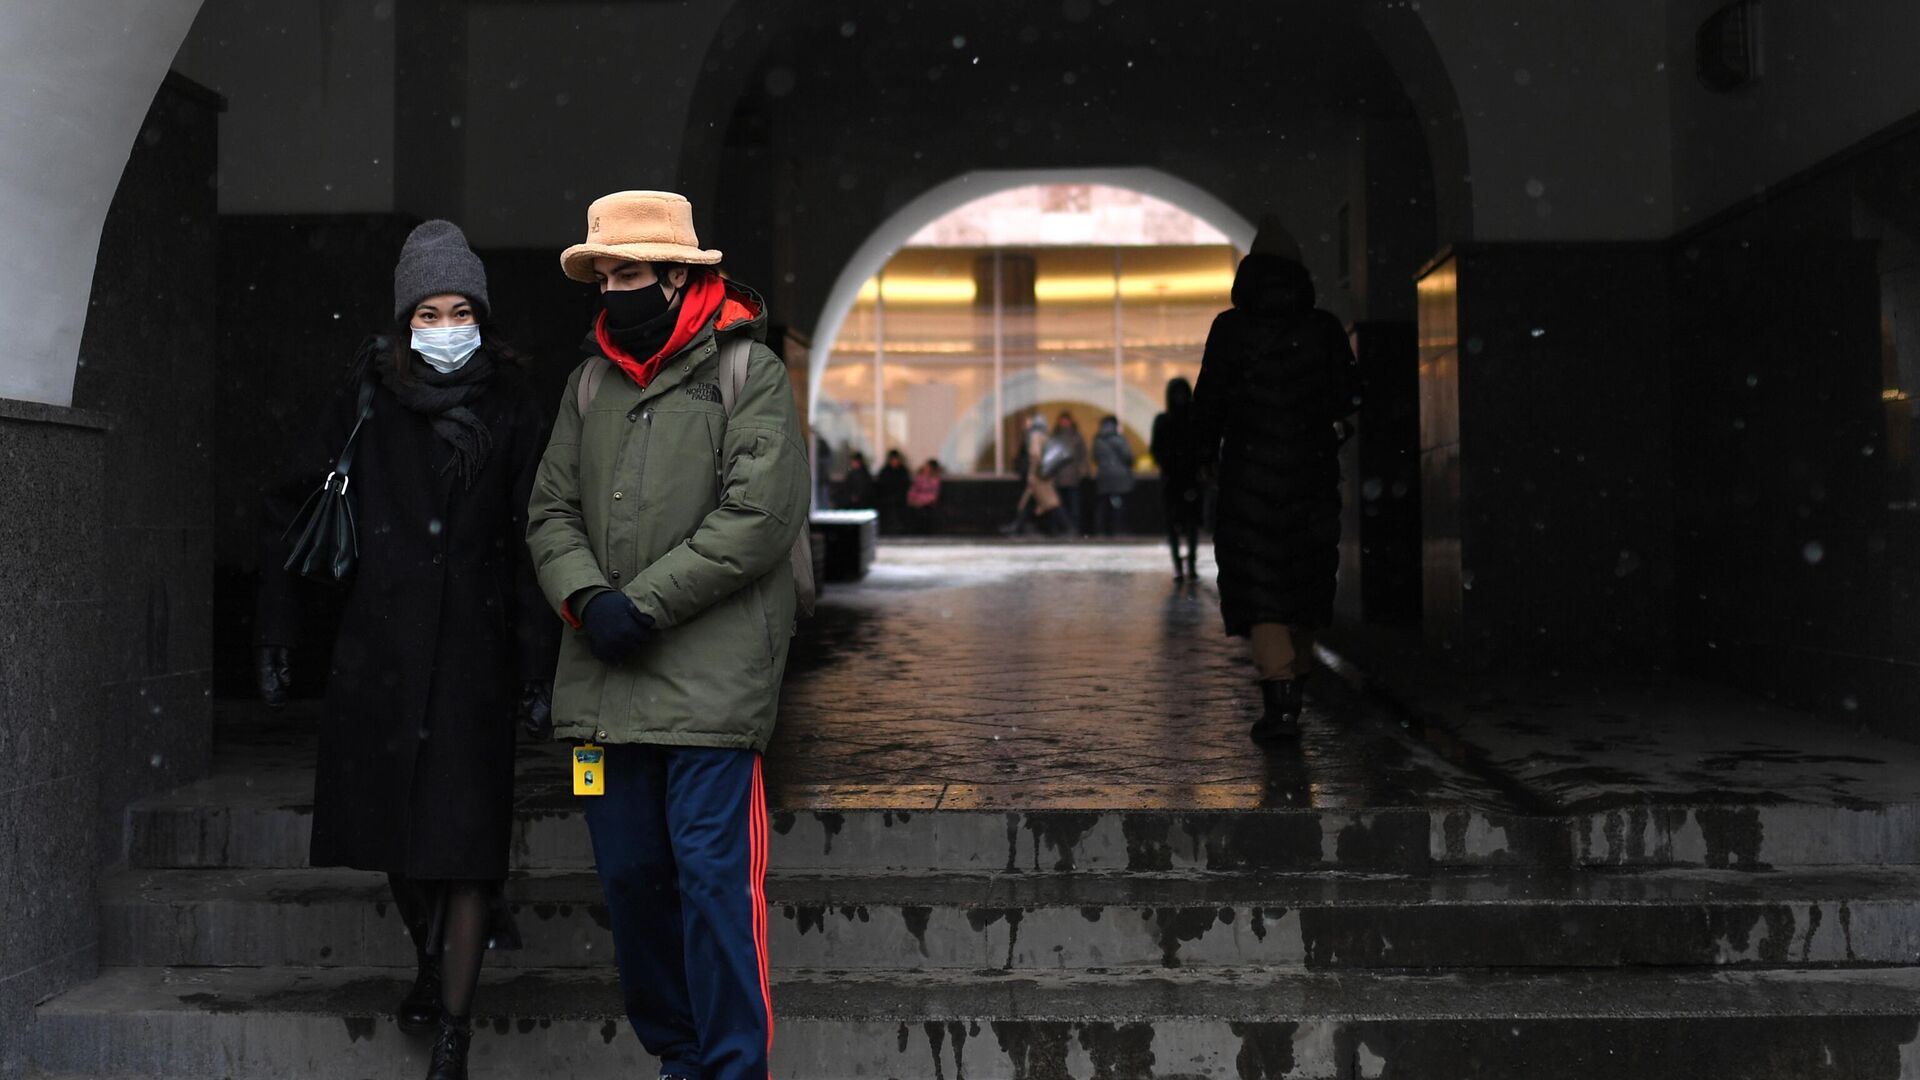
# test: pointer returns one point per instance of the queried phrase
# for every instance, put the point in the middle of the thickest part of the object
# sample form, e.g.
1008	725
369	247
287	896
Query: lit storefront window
1066	298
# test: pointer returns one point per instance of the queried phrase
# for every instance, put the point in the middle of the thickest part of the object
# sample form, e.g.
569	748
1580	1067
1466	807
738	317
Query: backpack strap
589	385
733	370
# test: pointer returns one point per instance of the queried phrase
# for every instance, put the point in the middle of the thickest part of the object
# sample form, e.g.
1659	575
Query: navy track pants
680	839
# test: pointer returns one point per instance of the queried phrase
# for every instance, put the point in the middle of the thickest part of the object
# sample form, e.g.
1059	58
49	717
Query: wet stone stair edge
1087	921
334	1026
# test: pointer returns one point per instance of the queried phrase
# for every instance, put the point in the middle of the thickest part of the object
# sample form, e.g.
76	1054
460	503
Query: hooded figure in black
1276	385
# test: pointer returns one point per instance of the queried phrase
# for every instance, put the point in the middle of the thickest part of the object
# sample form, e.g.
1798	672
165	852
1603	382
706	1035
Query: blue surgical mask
446	348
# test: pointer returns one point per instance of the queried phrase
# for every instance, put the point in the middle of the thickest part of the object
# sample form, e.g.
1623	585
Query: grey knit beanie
434	260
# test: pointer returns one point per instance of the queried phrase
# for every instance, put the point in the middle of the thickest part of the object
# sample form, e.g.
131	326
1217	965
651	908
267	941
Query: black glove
273	673
536	708
615	628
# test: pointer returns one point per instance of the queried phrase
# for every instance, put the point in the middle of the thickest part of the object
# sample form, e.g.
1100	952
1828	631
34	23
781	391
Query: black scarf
445	398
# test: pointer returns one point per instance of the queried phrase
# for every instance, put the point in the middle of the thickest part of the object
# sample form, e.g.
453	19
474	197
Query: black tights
450	920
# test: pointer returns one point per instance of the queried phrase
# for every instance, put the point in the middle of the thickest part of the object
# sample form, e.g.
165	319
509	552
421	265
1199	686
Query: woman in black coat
1276	384
445	639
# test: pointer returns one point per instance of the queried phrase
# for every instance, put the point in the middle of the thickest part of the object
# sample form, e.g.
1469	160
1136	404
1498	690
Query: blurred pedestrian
1039	499
445	640
1181	494
890	491
1277	382
856	490
923	498
1065	463
822	472
1113	457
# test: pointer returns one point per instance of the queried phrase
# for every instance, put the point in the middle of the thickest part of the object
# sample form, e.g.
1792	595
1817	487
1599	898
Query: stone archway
80	78
881	244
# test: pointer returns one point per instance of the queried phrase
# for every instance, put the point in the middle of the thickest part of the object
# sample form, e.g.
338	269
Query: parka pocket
762	489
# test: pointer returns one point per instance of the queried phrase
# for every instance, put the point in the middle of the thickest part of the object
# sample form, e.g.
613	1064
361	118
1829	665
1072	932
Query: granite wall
52	706
106	566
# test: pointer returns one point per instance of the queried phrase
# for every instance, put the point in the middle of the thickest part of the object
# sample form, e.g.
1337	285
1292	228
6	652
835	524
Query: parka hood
1272	286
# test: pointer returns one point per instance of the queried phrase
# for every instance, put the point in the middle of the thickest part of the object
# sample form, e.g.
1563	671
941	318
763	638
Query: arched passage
828	122
931	205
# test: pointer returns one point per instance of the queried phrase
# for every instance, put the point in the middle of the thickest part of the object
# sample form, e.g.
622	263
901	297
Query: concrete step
233	821
1027	922
1745	836
223	823
335	1024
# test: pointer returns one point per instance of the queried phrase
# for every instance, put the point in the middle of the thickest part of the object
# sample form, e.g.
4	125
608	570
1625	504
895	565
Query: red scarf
698	301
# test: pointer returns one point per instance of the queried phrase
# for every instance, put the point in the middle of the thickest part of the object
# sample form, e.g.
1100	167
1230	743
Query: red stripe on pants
759	832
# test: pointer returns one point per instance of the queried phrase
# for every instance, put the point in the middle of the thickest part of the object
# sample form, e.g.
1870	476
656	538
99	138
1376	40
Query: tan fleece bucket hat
638	226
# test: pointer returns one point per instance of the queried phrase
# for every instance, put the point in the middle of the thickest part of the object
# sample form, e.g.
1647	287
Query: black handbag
327	543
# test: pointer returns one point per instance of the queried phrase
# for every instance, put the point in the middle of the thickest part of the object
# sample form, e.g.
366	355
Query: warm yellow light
1893	394
1089	288
919	290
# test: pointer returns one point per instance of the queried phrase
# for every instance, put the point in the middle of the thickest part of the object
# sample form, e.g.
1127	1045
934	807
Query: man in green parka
662	519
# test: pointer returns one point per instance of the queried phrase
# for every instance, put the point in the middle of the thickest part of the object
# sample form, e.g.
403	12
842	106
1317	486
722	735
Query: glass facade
950	348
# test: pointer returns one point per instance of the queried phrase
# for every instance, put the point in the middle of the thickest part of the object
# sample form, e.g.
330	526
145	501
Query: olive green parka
691	514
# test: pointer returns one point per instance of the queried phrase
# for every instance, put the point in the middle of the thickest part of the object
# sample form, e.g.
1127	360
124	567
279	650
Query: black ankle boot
1280	713
419	1011
1193	568
450	1050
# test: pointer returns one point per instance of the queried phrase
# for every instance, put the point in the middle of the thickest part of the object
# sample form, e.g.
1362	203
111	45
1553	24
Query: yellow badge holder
589	770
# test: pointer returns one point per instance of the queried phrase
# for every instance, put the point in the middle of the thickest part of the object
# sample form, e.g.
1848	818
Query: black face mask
631	308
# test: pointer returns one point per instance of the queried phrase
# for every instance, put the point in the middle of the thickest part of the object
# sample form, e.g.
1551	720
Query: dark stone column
146	359
1384	485
1797	536
53	660
1545	420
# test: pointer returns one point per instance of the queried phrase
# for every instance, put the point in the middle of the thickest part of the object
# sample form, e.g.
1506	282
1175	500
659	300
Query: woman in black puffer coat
1276	384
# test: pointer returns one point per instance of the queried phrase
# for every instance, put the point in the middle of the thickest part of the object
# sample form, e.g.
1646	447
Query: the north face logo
705	391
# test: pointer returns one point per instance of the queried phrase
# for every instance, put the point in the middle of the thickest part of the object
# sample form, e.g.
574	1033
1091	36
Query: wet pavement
1024	676
1580	743
1043	677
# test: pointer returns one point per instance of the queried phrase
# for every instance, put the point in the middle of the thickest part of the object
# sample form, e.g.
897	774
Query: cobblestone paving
965	676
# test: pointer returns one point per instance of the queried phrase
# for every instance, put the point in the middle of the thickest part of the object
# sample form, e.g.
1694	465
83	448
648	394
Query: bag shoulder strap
588	387
734	356
365	409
